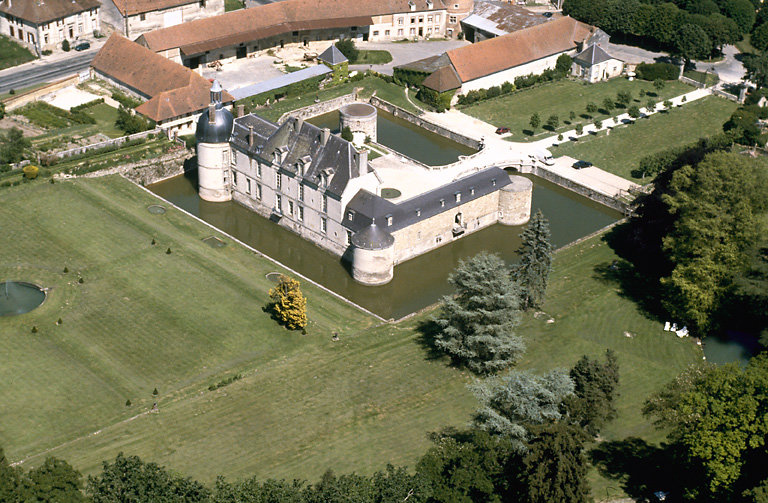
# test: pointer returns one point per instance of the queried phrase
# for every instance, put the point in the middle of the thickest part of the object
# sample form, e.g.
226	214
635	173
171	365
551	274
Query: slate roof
427	65
281	81
337	158
592	55
42	12
173	90
246	25
332	56
133	7
501	18
530	44
369	208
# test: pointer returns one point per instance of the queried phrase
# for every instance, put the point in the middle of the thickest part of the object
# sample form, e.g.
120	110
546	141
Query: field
372	57
180	322
12	54
560	98
620	152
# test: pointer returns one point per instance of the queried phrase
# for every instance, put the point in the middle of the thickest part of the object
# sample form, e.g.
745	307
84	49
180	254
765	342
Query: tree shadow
641	468
640	288
585	116
428	331
527	132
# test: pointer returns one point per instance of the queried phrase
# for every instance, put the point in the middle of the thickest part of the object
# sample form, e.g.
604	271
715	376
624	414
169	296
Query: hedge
655	71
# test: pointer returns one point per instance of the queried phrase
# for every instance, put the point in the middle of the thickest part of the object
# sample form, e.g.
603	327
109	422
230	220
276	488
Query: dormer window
493	182
442	203
430	4
389	220
350	215
412	5
418	212
471	191
457	196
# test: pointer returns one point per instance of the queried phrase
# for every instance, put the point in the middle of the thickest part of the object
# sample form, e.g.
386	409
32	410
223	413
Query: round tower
359	118
373	256
457	10
214	128
515	201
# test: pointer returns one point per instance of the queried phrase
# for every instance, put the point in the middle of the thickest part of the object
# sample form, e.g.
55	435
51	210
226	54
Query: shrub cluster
126	101
655	71
225	382
85	106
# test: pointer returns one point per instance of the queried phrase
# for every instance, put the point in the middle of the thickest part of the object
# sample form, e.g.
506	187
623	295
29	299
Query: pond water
730	347
17	297
418	282
404	137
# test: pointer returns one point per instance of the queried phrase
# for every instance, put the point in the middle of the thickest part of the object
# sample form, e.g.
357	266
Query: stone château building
135	17
321	187
46	24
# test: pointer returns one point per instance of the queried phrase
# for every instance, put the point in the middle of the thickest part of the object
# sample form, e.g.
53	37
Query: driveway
406	52
634	55
729	69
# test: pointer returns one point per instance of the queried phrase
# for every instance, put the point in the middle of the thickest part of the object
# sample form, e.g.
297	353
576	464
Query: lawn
745	45
560	98
233	5
12	54
708	79
372	58
183	321
621	151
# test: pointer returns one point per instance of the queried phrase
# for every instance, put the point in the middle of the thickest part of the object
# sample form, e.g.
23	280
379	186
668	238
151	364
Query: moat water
418	282
406	138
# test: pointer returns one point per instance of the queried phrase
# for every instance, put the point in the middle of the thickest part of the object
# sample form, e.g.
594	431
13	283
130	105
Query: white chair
667	326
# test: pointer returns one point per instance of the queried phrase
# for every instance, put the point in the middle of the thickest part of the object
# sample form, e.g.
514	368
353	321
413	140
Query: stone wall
19	100
429	126
150	171
319	108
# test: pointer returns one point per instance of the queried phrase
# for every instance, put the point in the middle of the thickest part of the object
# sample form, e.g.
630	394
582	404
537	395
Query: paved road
406	52
40	71
729	69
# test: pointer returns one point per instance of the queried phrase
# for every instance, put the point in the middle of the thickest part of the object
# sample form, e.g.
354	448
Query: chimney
250	136
362	161
211	114
299	123
240	110
325	134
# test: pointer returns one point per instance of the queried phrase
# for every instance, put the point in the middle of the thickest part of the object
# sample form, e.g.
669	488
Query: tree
288	303
531	273
55	481
511	404
535	121
571	116
608	105
598	124
595	382
634	112
346	133
12	146
2	110
11	489
555	467
667	104
563	64
579	128
348	49
757	68
691	42
65	46
759	38
650	106
553	122
624	98
591	108
131	122
718	418
476	323
659	84
131	479
742	12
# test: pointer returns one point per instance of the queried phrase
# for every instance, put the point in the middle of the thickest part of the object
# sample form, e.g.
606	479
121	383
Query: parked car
547	14
582	164
83	46
502	130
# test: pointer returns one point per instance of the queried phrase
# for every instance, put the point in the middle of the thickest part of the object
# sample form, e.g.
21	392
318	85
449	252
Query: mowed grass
560	98
621	151
372	57
12	54
183	321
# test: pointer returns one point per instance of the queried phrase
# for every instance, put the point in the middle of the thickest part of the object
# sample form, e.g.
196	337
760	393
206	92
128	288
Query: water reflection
418	282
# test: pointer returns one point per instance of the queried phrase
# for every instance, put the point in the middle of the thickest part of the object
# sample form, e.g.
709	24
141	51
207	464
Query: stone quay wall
319	108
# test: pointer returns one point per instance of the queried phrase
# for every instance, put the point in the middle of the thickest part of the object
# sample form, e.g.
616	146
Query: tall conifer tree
532	272
477	322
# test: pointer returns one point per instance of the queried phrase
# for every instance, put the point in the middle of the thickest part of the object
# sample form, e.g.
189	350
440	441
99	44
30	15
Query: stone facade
359	118
50	35
134	25
414	25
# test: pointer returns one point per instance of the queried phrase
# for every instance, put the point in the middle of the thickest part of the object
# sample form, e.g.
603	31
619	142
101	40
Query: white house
45	25
593	64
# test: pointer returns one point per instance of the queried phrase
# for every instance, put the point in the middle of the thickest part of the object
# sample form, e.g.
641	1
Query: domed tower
373	256
457	10
214	128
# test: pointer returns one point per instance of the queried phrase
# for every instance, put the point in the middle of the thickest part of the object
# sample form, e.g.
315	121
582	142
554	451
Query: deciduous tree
289	304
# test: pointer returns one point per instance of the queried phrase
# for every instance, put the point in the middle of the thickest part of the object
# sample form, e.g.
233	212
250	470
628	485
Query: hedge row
656	71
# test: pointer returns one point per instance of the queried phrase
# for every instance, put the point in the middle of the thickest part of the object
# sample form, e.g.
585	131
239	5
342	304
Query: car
547	14
582	164
502	130
83	46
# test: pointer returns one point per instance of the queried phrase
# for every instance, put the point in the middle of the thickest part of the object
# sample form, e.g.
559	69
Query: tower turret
214	128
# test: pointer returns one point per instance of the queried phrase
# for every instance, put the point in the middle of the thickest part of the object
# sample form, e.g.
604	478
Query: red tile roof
517	48
444	79
174	90
43	12
132	7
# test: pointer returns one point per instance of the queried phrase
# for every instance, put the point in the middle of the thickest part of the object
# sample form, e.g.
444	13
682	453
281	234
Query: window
349	237
386	33
438	239
437	18
301	213
279	181
234	157
258	170
429	30
258	191
457	195
493	182
421	19
389	220
290	208
279	203
325	203
202	4
418	212
429	19
143	17
375	33
442	203
413	31
413	20
247	185
301	192
400	21
400	32
324	225
295	34
452	19
350	215
471	191
234	178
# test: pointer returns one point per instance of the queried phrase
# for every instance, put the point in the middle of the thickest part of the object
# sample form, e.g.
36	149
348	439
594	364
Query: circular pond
17	297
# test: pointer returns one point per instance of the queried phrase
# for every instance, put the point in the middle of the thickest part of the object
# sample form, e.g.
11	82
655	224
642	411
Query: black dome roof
219	131
373	237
